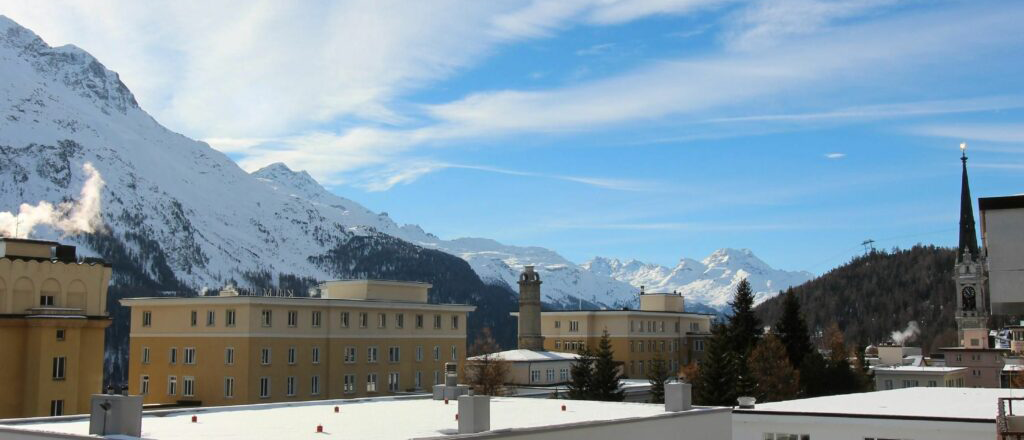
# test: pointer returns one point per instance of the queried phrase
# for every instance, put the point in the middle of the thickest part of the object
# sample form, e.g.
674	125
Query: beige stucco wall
375	290
1003	237
171	327
897	378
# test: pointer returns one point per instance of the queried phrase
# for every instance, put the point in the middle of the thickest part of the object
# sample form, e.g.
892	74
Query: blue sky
647	129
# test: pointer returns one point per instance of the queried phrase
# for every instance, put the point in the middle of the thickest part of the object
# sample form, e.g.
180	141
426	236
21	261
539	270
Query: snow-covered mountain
711	281
186	213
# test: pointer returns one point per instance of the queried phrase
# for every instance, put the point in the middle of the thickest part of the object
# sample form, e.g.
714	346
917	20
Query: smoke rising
908	334
82	216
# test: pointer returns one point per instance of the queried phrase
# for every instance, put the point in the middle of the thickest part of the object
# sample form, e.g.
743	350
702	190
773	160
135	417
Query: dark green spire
968	234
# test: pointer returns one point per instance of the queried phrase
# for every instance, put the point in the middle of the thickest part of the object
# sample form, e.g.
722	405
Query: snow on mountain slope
711	281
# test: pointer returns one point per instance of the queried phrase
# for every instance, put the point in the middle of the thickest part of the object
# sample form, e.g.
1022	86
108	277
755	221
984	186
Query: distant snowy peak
711	281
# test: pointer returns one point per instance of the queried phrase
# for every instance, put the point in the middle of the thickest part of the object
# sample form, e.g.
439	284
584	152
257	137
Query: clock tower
970	274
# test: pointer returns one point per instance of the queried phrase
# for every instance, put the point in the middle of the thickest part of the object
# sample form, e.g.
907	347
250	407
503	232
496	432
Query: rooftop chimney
114	414
678	397
474	414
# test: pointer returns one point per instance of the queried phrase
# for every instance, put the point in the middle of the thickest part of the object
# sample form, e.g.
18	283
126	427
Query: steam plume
82	216
908	334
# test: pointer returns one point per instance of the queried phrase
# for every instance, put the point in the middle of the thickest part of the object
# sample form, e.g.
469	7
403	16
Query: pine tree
814	372
792	330
658	374
582	371
487	374
769	367
744	326
716	380
605	384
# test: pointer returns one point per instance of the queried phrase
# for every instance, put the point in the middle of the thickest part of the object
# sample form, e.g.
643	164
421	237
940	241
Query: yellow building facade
661	329
52	320
356	339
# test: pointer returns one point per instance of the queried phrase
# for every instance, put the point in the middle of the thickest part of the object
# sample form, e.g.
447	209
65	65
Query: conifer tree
792	330
716	379
744	326
658	374
582	373
769	367
606	376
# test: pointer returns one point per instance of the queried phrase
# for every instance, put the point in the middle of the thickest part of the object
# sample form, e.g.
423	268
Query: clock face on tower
968	299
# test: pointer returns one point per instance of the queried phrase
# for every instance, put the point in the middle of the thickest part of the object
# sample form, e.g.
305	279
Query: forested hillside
881	292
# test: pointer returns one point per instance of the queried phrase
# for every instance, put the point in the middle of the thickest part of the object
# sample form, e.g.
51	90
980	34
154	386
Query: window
394	354
61	334
399	320
959	357
558	345
455	353
264	387
145	355
781	436
190	355
382	320
419	321
932	383
455	322
976	373
371	354
173	356
265	356
211	318
661	347
229	320
193	318
229	387
229	356
363	320
46	300
418	380
56	408
291	355
563	374
172	385
293	318
267	317
350	384
419	353
908	383
677	326
437	352
558	324
437	377
188	386
662	326
350	355
640	366
316	355
289	386
534	376
344	319
144	384
371	383
437	322
888	384
393	382
147	318
314	319
314	385
574	326
550	374
698	345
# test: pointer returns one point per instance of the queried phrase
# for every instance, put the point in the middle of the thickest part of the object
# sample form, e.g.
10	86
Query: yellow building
354	339
660	329
53	314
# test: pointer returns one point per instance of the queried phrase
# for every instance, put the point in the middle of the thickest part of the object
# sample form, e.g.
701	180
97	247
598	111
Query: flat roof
974	349
381	282
916	369
29	240
1006	202
619	311
919	403
365	419
289	300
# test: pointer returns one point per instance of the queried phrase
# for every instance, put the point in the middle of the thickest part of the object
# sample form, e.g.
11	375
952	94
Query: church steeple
968	233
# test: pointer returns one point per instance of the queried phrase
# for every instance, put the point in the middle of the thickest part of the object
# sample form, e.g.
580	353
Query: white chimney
114	414
678	397
474	414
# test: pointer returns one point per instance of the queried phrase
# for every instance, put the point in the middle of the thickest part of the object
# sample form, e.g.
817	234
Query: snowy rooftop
920	402
367	419
523	355
916	369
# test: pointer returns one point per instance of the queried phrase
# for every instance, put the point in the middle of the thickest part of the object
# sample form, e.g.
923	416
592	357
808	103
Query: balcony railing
50	310
1009	425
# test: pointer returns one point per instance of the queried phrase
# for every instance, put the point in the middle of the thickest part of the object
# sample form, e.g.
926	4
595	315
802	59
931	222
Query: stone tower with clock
970	274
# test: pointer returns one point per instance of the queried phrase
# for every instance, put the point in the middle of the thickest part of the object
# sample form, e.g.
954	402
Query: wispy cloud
835	156
990	132
890	110
385	179
766	23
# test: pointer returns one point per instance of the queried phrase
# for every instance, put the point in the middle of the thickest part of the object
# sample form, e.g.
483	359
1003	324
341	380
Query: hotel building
354	338
52	318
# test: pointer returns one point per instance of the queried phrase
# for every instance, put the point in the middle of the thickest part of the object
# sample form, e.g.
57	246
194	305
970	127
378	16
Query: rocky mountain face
177	215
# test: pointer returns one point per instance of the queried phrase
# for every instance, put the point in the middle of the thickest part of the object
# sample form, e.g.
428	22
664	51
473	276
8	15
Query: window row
572	346
652	346
639	367
292	319
349	355
563	375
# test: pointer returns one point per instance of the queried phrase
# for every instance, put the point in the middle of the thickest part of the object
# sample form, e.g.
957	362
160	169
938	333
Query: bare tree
487	373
